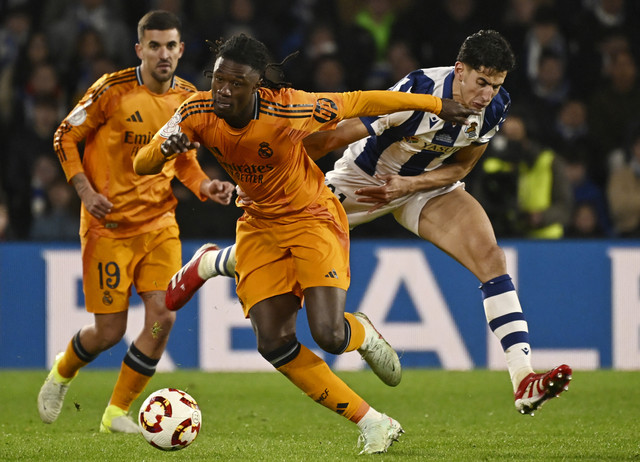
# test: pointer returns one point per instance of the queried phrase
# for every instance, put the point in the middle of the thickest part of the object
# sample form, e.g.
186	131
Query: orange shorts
287	255
110	266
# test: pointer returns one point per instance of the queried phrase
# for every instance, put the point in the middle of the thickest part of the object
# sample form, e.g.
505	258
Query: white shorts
346	179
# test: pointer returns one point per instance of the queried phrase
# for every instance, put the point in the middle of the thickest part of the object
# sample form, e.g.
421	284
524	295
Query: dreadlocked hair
246	50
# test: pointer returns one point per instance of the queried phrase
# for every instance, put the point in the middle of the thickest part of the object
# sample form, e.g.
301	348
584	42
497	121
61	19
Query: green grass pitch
447	416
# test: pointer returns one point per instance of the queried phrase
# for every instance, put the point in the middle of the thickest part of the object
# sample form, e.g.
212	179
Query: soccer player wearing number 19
128	231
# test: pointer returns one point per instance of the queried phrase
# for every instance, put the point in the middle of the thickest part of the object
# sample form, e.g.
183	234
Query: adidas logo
331	274
135	117
341	407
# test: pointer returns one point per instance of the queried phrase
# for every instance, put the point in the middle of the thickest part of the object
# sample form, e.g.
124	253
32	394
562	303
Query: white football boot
378	435
116	420
377	352
52	393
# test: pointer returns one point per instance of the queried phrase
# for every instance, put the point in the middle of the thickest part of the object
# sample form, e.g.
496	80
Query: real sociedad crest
472	130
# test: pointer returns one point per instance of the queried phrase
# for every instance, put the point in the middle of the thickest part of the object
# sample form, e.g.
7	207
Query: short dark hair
159	20
488	49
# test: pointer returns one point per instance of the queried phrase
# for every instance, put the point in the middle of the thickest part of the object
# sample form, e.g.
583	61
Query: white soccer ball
170	419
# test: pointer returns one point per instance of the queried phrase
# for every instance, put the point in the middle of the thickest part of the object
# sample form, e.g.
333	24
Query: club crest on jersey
472	130
172	127
107	299
325	110
265	150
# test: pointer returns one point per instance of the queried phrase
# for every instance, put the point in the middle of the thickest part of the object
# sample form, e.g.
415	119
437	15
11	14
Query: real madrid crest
107	299
264	150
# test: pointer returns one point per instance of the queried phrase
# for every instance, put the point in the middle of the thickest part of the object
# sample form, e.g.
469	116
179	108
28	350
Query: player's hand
218	191
455	112
244	198
177	144
393	187
96	204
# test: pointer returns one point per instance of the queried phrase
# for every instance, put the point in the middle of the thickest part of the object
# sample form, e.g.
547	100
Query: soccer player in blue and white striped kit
396	164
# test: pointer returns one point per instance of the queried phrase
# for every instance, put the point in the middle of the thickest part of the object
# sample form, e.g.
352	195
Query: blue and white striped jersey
410	143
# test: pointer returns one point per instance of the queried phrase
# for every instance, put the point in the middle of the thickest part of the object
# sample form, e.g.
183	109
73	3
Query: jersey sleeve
85	118
310	112
149	160
190	173
415	82
379	102
378	125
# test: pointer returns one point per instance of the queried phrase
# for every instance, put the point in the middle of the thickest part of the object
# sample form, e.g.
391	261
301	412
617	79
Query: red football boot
186	282
535	389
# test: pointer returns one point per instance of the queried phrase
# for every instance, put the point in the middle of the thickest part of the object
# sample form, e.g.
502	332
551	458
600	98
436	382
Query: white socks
506	320
218	263
371	416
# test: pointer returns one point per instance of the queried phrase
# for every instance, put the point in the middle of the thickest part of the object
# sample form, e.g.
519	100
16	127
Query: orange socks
70	363
129	386
313	376
357	332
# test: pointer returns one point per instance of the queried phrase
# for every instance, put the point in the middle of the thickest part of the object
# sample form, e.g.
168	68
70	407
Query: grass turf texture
447	416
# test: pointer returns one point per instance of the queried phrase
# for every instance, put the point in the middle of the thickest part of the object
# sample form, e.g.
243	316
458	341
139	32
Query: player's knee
110	336
491	262
272	348
160	326
164	319
495	255
329	339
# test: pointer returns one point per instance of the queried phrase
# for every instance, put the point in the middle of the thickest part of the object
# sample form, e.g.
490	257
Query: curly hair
246	50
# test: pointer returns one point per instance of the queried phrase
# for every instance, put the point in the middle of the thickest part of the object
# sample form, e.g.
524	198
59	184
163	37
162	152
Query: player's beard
162	76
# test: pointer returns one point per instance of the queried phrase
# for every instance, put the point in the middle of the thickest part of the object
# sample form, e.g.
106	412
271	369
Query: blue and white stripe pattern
222	260
504	314
412	142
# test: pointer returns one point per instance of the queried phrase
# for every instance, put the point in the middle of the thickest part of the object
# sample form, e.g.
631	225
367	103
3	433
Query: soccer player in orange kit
293	240
128	230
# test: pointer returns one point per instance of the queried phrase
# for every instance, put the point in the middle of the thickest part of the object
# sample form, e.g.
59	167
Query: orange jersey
117	116
266	157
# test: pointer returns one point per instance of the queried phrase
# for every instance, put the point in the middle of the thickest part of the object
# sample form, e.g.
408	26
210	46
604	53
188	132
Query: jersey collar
256	106
447	87
140	82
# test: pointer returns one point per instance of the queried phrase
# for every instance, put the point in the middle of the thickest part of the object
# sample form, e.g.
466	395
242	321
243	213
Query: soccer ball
170	419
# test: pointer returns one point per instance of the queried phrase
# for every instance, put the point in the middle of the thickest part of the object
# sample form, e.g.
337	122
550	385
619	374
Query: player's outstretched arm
380	102
152	157
395	186
320	143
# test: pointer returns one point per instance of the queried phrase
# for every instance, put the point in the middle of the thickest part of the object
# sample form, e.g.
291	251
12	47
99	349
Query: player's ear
458	70
139	51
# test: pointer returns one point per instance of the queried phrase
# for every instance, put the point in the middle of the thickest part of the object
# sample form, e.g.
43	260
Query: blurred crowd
575	97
